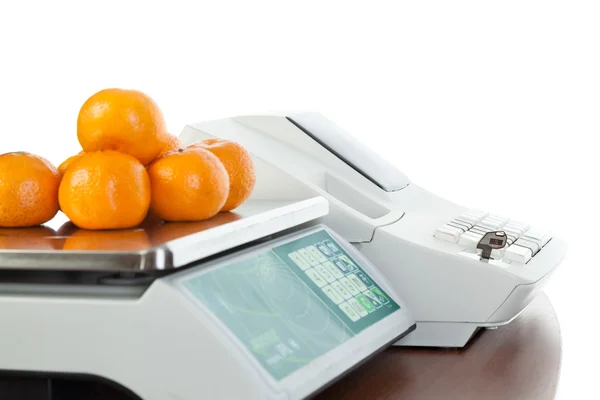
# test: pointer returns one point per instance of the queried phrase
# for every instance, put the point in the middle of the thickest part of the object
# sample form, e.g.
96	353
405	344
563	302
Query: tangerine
105	190
28	190
127	121
239	165
188	185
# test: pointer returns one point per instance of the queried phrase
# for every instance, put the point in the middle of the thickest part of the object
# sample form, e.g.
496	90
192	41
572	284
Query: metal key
491	241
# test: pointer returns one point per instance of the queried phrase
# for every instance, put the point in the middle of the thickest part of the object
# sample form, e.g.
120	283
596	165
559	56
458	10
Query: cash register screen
294	302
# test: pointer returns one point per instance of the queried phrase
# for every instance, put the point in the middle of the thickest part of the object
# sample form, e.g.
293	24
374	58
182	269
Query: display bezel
327	367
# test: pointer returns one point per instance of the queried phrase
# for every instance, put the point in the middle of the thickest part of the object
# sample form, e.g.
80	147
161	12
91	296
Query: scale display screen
294	302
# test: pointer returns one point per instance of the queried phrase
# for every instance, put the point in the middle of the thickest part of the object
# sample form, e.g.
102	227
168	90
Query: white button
357	282
448	233
308	257
333	294
471	219
341	289
325	273
537	241
333	270
470	240
542	235
517	254
349	311
315	277
349	286
497	254
512	231
360	310
316	254
530	244
491	223
299	261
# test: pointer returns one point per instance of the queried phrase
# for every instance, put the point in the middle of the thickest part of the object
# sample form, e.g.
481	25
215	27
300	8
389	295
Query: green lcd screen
293	303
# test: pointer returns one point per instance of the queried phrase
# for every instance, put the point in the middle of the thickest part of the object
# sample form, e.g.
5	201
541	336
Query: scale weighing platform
262	303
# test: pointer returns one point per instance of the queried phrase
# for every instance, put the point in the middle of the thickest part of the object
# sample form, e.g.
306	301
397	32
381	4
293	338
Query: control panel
468	230
292	302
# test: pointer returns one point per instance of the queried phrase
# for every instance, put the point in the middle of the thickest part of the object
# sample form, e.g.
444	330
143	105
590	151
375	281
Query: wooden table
518	361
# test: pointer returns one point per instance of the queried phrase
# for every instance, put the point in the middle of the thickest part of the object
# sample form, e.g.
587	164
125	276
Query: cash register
265	302
459	268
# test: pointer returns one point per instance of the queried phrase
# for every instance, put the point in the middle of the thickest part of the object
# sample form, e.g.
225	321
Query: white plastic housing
391	223
166	345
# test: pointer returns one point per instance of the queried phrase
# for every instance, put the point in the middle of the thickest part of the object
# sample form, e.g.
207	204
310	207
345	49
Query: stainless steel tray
154	245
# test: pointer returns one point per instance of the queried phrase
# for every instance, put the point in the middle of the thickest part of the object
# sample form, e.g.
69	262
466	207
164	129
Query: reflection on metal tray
154	245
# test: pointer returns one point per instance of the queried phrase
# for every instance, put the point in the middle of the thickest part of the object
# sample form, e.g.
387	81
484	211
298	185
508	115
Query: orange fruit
62	168
162	233
170	143
28	190
188	185
127	121
34	238
105	190
239	165
121	240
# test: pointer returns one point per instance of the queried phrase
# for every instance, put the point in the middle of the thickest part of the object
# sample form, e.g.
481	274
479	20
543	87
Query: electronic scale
335	256
265	302
458	269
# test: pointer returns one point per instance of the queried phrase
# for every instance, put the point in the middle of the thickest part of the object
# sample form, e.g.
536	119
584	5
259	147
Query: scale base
440	334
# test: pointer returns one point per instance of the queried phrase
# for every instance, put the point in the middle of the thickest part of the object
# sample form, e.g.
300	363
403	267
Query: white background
490	104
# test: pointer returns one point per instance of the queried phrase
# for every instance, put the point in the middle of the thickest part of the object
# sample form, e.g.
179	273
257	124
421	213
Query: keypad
466	230
340	279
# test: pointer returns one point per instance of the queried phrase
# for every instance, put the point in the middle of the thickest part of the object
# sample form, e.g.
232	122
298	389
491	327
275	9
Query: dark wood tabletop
518	361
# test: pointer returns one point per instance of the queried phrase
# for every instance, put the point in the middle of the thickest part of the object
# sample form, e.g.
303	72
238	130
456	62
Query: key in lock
491	241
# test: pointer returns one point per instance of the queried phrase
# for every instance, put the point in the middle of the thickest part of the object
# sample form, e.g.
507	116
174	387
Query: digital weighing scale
459	269
262	303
